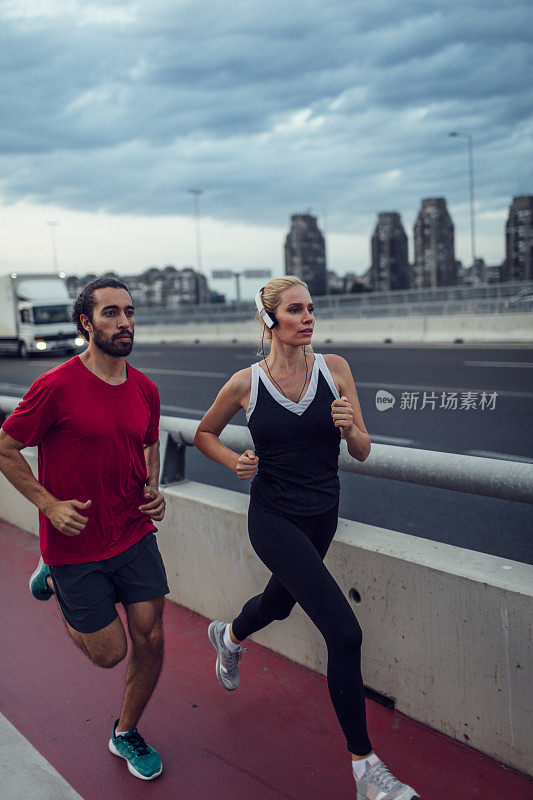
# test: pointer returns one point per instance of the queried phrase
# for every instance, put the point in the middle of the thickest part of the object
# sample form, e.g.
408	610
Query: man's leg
106	648
87	594
145	623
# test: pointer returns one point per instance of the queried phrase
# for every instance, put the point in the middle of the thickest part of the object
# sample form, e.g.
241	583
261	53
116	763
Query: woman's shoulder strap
324	369
253	389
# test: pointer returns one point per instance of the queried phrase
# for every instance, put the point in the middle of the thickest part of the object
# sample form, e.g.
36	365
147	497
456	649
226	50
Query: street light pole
196	202
52	224
470	141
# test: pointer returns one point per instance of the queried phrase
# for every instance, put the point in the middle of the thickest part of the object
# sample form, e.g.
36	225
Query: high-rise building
518	264
305	253
390	257
435	263
187	287
160	288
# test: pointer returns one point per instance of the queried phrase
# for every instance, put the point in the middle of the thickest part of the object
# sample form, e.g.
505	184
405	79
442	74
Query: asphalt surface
276	738
189	376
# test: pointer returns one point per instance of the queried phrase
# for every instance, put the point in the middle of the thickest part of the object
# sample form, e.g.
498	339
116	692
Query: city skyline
342	112
433	261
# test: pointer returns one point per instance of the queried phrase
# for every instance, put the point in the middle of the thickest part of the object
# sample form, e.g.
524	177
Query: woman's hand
246	465
342	415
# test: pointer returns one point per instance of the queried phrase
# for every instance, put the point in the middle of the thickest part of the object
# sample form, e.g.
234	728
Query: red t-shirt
91	436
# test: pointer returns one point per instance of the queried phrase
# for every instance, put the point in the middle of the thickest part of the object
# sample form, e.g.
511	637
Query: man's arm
155	509
61	513
151	456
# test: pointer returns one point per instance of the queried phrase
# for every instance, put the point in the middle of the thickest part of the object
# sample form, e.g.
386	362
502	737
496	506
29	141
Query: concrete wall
447	632
430	329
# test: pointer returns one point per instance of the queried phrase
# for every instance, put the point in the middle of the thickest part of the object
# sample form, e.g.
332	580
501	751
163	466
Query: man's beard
111	345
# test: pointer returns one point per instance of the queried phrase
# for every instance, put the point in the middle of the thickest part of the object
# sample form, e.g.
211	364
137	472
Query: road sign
221	274
224	274
257	273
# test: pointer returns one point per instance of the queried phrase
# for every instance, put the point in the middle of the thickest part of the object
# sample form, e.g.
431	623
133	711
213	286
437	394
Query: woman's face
295	315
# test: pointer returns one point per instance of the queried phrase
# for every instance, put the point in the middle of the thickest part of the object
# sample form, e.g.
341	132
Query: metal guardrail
437	301
489	477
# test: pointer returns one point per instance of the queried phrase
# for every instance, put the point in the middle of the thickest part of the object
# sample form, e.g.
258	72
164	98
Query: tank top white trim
290	405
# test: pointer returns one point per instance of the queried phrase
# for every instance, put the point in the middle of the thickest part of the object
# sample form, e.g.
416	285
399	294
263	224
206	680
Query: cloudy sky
112	110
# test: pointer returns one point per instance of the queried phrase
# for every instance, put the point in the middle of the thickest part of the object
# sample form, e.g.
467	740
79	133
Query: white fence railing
490	477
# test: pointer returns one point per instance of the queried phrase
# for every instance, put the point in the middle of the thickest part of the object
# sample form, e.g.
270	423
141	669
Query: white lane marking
24	772
13	387
183	372
498	364
377	437
41	362
411	388
182	410
502	456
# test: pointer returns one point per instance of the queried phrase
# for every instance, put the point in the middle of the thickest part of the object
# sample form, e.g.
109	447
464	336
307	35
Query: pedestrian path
25	773
276	738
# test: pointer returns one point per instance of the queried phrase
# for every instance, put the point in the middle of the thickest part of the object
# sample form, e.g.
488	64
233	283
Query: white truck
35	313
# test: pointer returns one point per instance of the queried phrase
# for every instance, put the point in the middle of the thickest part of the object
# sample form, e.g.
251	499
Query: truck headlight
79	342
40	345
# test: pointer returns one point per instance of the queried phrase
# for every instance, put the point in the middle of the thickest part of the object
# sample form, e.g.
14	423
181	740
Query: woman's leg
276	602
286	547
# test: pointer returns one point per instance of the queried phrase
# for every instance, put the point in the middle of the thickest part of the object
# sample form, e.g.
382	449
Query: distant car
523	300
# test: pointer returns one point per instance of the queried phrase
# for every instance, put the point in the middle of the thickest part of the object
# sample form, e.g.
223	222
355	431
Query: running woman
96	421
298	404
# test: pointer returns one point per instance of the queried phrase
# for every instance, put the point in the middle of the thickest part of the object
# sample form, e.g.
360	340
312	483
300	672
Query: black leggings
293	547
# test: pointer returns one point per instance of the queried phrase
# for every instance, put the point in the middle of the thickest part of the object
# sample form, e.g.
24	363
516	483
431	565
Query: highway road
458	399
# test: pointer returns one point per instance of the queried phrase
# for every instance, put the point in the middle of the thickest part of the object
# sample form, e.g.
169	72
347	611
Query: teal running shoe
143	760
38	585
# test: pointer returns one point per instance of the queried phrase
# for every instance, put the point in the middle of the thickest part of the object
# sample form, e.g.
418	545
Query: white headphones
268	318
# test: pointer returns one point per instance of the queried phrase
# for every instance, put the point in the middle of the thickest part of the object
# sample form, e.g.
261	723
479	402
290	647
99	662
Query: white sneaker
377	783
227	666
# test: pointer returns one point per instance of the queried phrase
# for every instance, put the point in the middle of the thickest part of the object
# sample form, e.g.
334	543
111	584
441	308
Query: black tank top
297	444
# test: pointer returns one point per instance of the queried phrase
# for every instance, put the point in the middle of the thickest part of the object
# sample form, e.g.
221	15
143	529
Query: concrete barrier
447	631
351	330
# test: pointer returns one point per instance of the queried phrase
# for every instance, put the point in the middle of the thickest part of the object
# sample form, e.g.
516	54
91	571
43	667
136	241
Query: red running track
276	738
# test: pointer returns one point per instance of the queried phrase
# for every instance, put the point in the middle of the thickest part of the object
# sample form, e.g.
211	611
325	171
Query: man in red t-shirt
95	420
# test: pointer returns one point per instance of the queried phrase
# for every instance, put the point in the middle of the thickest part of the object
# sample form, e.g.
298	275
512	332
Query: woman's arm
228	402
346	412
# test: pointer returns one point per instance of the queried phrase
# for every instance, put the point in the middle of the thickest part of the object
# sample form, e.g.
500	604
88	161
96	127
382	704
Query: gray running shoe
378	784
227	667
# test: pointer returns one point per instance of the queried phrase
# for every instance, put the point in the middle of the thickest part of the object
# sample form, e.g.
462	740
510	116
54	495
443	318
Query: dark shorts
87	593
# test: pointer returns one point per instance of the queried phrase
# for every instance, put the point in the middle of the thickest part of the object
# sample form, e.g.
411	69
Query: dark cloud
269	107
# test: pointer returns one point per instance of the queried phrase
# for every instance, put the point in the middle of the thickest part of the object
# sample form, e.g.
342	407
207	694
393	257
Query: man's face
113	322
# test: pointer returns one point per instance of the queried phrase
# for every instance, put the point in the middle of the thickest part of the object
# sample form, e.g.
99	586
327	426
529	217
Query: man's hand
246	465
63	514
342	415
155	509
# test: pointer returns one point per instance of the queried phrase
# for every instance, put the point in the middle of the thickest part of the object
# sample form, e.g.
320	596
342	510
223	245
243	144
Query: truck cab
36	318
